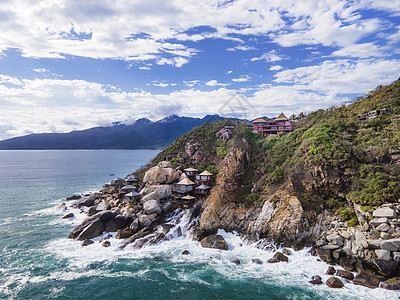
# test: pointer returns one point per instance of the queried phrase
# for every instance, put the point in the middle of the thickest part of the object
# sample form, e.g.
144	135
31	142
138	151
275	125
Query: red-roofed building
272	126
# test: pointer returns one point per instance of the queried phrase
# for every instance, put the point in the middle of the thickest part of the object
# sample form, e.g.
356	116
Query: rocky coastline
367	255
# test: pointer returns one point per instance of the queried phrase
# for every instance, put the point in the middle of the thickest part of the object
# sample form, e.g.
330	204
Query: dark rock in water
391	284
215	242
92	211
123	234
367	279
138	235
89	201
273	260
330	271
316	279
281	257
95	228
257	261
236	261
87	243
286	252
345	274
185	252
67	216
108	236
387	268
334	283
116	223
348	264
106	244
73	197
325	254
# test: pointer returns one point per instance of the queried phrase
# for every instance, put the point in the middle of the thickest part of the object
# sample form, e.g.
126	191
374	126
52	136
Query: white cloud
242	48
242	78
215	83
160	84
362	51
268	57
229	72
176	61
342	76
276	68
145	68
191	83
40	70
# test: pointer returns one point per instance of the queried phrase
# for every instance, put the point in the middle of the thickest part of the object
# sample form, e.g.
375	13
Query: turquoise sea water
37	261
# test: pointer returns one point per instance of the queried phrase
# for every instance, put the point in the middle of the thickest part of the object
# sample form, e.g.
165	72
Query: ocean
38	261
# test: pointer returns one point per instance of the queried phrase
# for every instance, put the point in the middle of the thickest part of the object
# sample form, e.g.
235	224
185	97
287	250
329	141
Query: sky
71	64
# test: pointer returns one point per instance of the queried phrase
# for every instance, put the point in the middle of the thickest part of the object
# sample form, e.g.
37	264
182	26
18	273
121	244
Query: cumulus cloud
241	48
362	51
242	78
276	68
215	83
268	57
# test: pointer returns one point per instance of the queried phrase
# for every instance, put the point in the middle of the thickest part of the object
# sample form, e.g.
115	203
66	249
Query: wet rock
391	284
89	201
345	274
134	225
316	279
116	223
334	283
367	279
273	260
324	254
348	264
87	243
106	244
123	234
383	227
384	212
61	206
67	216
386	268
330	271
152	206
363	265
94	229
214	241
257	261
108	236
286	252
281	257
92	211
235	261
185	252
73	197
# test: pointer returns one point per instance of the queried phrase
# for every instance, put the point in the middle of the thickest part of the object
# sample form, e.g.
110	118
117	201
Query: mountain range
143	134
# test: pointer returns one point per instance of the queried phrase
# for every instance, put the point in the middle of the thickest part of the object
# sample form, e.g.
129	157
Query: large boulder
391	284
89	201
160	175
214	241
391	245
345	274
367	279
386	268
103	217
384	212
155	192
335	239
94	229
117	223
335	283
152	206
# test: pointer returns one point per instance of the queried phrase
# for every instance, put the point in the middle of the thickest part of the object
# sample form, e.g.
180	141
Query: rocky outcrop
215	242
219	207
161	175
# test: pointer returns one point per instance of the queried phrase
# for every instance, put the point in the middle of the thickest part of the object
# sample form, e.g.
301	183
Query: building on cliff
203	178
183	186
273	126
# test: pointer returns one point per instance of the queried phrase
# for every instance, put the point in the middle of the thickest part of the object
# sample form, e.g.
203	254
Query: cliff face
221	209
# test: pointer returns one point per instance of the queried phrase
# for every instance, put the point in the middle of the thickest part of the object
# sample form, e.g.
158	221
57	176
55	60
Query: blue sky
69	65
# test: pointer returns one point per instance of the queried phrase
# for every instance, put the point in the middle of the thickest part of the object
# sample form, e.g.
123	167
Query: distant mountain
143	134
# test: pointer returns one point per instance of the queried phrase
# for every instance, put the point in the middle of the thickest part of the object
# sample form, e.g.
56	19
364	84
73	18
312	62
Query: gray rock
383	254
367	279
214	241
384	212
385	236
316	279
346	235
330	247
374	234
135	225
257	261
144	221
116	223
67	216
378	221
87	243
152	206
335	239
384	227
235	261
166	208
102	206
396	256
94	229
391	245
89	201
